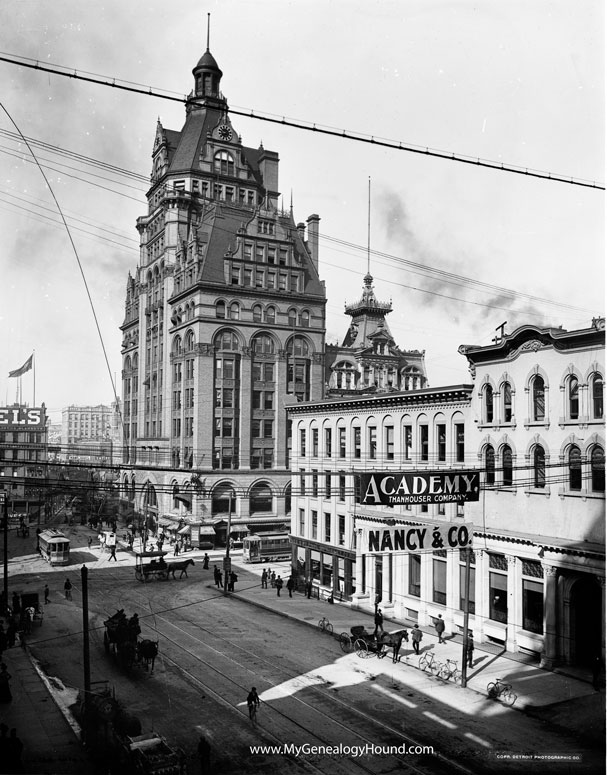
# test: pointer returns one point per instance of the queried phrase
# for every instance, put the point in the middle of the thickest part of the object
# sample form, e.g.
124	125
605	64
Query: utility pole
466	617
86	658
227	563
4	498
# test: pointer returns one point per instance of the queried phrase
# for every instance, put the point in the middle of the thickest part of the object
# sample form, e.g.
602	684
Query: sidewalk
50	745
553	696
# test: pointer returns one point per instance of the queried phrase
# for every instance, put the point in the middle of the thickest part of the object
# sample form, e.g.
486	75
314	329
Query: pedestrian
273	579
379	623
3	640
113	553
278	585
47	592
217	576
11	634
290	585
439	626
67	587
5	689
416	637
264	579
14	749
469	652
176	549
90	541
205	562
308	588
16	603
204	754
233	580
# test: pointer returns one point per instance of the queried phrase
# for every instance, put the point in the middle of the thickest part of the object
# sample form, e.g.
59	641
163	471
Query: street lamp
227	563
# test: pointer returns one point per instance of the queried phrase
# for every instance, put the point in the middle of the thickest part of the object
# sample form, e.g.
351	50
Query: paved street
213	648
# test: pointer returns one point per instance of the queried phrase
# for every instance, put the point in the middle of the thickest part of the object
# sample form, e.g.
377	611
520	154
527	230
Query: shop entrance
586	621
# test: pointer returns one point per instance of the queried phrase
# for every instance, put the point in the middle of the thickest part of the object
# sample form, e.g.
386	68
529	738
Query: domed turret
207	77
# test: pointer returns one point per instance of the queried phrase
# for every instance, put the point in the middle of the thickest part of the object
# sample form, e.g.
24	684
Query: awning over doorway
185	530
206	530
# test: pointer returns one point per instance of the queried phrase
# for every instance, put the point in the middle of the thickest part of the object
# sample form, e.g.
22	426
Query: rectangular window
314	483
302	522
415	574
327	485
356	443
314	442
372	443
423	442
302	442
533	606
302	481
228	398
408	442
498	597
327	528
459	442
315	525
462	589
441	442
439	581
342	487
328	440
341	432
389	440
341	519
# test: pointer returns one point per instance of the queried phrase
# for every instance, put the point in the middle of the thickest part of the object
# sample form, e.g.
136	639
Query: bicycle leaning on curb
428	662
325	625
448	670
500	689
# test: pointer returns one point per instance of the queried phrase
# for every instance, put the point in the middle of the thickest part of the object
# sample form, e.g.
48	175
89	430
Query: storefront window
533	606
315	565
498	597
415	566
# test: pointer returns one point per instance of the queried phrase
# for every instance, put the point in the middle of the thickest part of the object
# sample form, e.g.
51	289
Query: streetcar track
313	687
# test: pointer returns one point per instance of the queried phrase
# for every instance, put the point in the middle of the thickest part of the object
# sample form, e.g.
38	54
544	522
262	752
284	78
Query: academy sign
394	489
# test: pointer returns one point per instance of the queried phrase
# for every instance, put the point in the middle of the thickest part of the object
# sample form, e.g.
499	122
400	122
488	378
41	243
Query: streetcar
266	547
54	547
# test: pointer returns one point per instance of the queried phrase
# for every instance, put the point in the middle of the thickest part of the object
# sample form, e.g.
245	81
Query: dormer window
224	163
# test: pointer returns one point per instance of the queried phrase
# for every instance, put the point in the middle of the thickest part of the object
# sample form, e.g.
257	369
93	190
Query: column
359	595
601	581
550	650
513	598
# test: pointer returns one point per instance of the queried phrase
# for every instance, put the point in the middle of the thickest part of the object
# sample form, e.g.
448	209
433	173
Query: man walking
113	553
46	594
264	579
278	585
416	636
469	649
67	588
290	585
439	626
379	623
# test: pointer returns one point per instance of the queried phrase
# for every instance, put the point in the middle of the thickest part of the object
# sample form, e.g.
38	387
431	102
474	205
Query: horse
393	639
147	651
182	566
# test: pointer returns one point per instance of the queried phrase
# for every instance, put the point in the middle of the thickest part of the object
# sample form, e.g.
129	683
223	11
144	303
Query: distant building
368	360
224	326
23	459
91	434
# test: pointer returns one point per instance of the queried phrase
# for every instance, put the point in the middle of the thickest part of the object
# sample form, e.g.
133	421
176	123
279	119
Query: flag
26	367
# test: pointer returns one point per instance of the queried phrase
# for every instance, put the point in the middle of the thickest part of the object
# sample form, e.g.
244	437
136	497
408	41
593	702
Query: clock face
225	132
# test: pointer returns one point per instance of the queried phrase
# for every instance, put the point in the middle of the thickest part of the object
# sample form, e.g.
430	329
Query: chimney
313	221
268	166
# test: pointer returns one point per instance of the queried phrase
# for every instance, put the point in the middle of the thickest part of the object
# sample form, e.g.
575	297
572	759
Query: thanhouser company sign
393	489
419	538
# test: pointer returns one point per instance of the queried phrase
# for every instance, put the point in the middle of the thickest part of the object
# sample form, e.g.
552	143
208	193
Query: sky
516	83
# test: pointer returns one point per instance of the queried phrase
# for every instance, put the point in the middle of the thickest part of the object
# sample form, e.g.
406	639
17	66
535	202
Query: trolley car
54	547
267	547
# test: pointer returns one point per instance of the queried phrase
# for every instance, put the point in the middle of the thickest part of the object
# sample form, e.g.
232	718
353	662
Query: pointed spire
208	31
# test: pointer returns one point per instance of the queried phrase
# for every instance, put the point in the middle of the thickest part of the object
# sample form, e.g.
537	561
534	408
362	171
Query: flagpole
34	364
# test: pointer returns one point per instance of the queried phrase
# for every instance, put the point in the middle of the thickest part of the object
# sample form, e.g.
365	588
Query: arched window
597	397
262	343
226	340
271	315
487	404
292	317
224	163
538	399
507	473
288	499
539	467
177	346
223	499
575	468
257	313
298	346
189	341
260	498
573	398
490	465
304	318
507	401
220	309
597	469
234	311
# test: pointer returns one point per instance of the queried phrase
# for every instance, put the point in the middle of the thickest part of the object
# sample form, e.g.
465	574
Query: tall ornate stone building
368	360
224	326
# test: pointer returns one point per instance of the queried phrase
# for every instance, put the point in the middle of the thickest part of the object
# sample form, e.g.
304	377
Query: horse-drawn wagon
31	613
121	639
151	565
365	644
150	754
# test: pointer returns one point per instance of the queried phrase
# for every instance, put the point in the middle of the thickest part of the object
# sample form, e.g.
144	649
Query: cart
150	566
31	613
365	644
150	754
